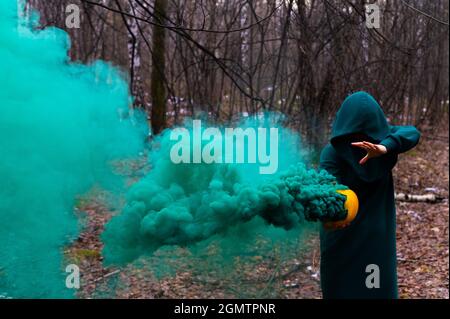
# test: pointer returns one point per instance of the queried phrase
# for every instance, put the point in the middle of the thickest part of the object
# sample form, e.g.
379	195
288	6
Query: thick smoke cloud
59	129
61	125
184	204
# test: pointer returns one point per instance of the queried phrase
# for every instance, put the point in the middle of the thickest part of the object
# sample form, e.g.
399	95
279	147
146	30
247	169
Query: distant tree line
299	57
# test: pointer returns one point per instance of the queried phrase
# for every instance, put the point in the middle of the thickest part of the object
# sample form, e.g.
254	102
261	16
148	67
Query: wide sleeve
401	139
329	161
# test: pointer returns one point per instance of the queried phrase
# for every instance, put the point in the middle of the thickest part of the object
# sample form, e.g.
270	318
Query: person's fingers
364	159
370	146
372	150
366	146
358	144
374	147
361	145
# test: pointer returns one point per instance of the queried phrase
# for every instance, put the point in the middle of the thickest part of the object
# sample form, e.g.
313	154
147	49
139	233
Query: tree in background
158	91
297	57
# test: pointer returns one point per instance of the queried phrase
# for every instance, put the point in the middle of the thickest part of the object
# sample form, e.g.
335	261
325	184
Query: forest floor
422	249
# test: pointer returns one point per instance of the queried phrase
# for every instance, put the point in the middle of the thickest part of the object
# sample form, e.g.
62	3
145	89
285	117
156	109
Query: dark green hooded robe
348	255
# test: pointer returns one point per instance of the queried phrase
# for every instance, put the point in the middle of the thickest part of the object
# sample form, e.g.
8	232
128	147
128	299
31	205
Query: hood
360	118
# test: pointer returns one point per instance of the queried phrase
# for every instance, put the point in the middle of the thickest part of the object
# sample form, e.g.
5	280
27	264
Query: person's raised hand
373	150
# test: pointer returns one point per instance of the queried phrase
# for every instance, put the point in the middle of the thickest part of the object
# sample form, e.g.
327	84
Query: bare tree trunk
158	90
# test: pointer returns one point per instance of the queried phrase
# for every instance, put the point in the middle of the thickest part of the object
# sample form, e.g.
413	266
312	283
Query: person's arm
401	139
329	162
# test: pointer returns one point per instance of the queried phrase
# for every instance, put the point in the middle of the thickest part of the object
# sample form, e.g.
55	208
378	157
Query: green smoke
185	204
60	126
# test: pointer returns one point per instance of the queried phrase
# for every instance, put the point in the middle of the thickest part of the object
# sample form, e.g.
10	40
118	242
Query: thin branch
425	14
175	27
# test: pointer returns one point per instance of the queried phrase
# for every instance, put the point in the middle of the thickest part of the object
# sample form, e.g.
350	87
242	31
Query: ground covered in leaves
422	243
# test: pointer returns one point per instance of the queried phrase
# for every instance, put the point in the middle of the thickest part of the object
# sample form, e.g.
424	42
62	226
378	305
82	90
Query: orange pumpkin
351	205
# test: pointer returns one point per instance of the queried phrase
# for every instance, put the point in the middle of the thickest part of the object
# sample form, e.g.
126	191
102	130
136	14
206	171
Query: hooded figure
359	261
